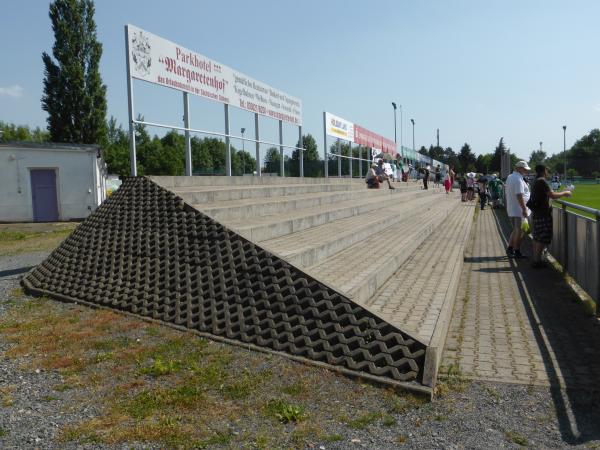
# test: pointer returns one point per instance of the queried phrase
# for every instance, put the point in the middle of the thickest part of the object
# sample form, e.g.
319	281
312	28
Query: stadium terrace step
382	253
308	247
252	207
420	295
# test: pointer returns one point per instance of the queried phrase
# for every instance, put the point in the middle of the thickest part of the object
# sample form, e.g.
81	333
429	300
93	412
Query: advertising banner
338	127
367	138
159	61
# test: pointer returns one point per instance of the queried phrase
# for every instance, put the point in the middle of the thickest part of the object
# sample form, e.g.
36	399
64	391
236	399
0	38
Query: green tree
116	150
496	160
311	151
313	166
467	159
74	95
423	151
272	160
20	133
484	163
537	157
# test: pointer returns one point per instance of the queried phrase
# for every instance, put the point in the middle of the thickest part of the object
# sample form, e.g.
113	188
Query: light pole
540	146
243	130
413	127
394	105
400	128
565	150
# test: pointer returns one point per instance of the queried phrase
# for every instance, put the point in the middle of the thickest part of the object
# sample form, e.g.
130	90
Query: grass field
586	195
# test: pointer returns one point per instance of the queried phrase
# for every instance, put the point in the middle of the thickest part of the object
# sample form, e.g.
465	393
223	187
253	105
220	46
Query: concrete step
360	270
262	228
266	206
420	295
308	247
175	182
202	195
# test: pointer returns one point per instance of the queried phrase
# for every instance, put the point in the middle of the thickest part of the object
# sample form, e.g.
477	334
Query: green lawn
587	195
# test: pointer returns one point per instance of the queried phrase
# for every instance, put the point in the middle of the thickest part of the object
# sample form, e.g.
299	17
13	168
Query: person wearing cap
541	194
517	196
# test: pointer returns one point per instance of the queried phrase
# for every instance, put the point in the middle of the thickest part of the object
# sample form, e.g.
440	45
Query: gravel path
483	415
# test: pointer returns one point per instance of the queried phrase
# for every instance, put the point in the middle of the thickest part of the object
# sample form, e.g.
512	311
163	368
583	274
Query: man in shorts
517	196
541	209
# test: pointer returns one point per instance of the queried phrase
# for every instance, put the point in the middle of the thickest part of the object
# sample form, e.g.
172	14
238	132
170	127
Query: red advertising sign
367	138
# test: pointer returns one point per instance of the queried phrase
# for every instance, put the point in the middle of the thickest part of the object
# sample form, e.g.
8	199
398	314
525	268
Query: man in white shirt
517	195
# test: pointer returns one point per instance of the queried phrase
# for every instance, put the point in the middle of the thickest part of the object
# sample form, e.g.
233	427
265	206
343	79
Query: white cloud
12	91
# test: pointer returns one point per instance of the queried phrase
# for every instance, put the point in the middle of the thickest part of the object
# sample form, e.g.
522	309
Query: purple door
43	191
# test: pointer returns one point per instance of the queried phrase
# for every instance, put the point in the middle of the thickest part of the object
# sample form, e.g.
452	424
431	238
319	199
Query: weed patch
517	438
284	411
365	420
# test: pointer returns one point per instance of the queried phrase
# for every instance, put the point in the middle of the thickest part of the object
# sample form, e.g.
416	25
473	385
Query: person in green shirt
495	185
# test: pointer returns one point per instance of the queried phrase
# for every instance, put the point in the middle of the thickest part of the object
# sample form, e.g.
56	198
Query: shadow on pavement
569	340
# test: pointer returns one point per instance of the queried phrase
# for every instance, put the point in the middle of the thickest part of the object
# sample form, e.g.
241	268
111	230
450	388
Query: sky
476	70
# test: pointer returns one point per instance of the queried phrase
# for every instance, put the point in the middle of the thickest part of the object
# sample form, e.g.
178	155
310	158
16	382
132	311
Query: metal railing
576	246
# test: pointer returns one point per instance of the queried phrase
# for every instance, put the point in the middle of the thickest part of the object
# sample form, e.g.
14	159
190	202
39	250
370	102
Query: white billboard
157	60
340	128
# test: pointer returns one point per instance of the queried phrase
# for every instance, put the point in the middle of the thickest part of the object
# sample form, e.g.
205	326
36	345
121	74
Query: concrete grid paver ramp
146	252
515	324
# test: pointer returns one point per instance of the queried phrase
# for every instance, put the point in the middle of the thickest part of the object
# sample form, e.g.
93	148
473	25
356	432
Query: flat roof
49	146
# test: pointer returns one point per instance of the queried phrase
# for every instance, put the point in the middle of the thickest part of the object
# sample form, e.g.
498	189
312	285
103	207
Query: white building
50	182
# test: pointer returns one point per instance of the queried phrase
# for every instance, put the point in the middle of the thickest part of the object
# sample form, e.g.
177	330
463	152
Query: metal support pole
360	172
325	160
565	216
227	143
257	144
281	162
350	155
188	139
401	142
301	145
565	152
132	155
339	155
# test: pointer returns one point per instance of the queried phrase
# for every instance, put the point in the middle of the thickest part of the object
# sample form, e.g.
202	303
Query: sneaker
510	252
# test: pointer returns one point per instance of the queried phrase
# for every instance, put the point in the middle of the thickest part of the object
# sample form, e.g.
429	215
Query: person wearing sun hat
517	196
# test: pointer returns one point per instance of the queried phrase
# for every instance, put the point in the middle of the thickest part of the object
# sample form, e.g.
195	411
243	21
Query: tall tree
311	151
467	159
74	95
537	157
496	160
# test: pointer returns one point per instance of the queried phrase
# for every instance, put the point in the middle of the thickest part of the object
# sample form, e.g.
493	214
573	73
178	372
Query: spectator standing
438	176
517	196
470	186
447	183
483	193
495	185
452	176
539	203
426	172
462	182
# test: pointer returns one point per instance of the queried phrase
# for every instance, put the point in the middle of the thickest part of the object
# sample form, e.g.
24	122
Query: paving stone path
515	324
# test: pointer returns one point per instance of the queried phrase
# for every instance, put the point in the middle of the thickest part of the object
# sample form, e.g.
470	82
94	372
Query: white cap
522	165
